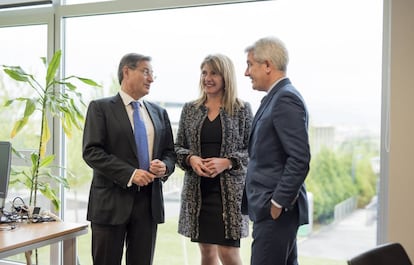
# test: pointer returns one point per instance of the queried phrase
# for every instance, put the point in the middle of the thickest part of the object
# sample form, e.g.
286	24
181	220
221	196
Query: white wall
400	202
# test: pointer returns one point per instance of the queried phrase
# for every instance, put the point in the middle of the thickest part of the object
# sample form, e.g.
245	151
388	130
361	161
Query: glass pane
21	46
335	62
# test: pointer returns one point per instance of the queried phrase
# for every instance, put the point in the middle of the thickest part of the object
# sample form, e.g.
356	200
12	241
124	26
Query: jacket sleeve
181	146
99	150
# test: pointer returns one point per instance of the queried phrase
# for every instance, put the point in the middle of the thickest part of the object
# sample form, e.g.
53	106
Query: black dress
211	225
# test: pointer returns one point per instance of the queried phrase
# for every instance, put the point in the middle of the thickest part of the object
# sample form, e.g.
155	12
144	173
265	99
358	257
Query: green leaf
47	160
59	179
49	193
30	108
75	116
89	81
44	137
17	74
44	61
8	102
69	85
17	153
75	108
67	128
34	157
53	66
18	125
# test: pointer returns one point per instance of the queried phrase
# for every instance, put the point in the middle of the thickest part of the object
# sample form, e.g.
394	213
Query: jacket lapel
123	120
157	201
266	100
156	122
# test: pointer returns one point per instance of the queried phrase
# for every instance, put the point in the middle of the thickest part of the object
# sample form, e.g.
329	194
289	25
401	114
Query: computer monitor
5	164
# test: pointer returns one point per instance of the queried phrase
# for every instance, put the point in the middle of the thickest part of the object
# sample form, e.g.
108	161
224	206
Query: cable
19	208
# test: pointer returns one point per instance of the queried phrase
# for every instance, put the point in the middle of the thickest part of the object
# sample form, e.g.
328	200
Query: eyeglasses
147	72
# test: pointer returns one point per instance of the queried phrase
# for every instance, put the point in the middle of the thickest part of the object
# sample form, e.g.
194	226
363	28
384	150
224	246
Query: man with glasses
128	142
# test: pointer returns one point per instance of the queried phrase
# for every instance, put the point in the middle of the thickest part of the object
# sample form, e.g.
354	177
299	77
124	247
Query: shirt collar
275	83
127	99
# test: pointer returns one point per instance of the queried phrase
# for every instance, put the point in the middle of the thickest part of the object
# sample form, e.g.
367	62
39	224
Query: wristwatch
234	163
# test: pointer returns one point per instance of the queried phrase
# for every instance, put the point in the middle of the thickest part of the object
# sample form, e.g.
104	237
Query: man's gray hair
270	49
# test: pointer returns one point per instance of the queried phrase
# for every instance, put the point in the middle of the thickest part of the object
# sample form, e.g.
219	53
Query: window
335	61
16	48
343	96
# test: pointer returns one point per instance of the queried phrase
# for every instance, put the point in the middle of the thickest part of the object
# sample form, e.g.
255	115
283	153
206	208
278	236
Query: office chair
386	254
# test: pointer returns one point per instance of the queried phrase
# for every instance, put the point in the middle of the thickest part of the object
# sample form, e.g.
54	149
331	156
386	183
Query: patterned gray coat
235	135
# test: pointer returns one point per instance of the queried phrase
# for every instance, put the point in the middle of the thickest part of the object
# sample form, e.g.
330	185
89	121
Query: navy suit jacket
109	149
279	154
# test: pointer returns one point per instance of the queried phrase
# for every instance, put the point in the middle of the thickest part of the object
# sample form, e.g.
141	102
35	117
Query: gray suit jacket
279	154
109	149
235	133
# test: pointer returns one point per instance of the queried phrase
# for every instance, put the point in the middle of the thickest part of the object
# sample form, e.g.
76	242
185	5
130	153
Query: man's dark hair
130	60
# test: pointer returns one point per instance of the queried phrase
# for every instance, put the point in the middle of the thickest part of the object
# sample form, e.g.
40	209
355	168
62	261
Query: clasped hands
208	167
143	178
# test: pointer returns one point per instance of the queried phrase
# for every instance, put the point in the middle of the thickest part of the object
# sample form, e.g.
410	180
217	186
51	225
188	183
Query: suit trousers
138	236
274	241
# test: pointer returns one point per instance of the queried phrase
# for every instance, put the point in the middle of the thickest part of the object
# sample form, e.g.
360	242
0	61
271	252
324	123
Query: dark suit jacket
109	149
279	154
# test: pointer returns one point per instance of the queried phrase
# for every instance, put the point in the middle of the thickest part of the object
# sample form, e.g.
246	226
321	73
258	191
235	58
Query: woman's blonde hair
224	66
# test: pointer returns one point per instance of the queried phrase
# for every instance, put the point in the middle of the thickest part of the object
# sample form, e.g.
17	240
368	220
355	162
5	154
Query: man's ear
267	67
125	71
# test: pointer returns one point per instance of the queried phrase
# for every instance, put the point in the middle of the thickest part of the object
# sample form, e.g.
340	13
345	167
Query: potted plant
56	97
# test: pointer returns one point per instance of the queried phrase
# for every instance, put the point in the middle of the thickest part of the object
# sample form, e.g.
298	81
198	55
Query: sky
334	47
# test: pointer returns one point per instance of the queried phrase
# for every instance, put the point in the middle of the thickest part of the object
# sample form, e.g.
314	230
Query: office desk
27	236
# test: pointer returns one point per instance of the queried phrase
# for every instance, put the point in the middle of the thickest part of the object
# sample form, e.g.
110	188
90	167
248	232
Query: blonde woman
211	148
